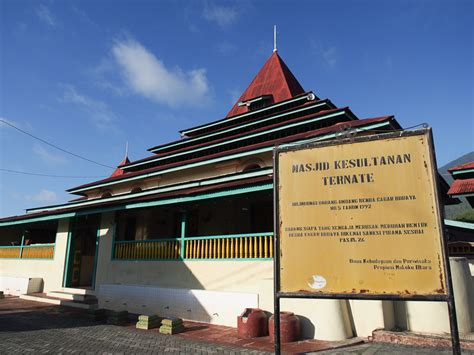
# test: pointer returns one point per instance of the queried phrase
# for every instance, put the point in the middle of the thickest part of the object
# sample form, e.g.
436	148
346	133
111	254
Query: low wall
432	317
50	270
20	285
321	319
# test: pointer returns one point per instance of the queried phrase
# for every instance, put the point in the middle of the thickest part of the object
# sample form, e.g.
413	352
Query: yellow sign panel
360	218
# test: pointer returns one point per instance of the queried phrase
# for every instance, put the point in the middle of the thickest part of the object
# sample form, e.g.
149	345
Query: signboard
360	218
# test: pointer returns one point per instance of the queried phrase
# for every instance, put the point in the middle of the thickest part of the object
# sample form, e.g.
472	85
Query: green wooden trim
96	255
184	219
114	234
209	195
38	219
173	187
22	242
10	246
39	245
69	258
231	129
305	97
227	236
463	171
296	124
147	241
459	224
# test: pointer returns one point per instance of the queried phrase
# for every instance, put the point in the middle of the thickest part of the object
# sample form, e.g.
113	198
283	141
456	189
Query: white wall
432	317
50	270
321	319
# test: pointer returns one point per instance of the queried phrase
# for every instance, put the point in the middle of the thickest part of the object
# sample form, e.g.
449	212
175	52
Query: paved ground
29	327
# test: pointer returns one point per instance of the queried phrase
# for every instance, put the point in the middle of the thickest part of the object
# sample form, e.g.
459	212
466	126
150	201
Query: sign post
360	219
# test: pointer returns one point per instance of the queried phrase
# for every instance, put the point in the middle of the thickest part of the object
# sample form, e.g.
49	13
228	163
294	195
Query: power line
54	146
48	175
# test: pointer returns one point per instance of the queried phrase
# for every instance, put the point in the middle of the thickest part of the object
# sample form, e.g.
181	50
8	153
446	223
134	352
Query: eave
193	130
192	194
298	121
248	123
325	133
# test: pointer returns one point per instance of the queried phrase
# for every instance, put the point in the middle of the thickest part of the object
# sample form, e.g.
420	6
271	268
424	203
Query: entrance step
89	302
78	291
68	296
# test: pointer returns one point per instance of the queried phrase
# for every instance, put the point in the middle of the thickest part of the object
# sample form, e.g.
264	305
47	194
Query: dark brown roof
151	197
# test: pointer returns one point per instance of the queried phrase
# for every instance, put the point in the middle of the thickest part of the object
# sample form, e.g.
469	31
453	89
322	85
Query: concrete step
67	296
78	291
41	297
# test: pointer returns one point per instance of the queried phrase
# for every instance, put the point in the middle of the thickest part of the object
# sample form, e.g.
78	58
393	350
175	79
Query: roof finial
126	150
274	38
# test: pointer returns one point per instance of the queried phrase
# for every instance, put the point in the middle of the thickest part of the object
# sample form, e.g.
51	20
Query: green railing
235	246
35	251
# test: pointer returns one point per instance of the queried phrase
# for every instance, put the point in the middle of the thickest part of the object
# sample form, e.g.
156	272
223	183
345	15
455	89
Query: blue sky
89	76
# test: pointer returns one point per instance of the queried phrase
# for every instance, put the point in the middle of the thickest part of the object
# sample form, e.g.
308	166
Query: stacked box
171	326
117	318
148	321
97	314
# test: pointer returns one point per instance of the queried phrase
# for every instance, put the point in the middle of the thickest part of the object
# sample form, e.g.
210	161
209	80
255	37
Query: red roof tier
118	171
465	166
273	79
304	135
461	187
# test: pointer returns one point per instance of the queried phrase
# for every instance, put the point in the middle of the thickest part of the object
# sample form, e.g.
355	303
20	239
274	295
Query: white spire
126	149
274	38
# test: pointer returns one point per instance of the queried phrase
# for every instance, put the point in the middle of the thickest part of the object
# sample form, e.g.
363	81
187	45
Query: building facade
188	231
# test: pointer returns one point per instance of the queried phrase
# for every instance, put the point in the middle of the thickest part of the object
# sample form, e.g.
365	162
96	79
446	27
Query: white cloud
147	75
43	196
46	16
102	117
48	157
224	16
328	54
226	48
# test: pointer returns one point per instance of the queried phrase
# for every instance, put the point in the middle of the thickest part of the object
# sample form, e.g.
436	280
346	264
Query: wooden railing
10	252
239	246
252	246
40	251
35	251
147	249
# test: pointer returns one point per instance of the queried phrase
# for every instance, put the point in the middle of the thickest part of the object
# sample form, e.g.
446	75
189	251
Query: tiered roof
291	114
273	110
463	184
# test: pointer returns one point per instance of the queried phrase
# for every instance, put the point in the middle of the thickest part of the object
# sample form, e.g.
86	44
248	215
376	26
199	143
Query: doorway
83	248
